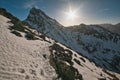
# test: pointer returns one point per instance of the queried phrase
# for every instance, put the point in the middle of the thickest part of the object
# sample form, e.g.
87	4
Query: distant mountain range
112	28
40	48
92	41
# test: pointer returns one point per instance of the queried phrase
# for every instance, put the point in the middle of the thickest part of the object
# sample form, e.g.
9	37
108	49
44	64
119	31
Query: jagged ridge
92	41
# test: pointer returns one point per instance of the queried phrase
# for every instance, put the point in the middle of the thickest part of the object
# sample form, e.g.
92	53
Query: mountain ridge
113	28
86	39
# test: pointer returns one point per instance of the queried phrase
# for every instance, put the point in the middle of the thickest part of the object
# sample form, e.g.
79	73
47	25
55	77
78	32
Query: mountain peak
40	21
39	16
37	11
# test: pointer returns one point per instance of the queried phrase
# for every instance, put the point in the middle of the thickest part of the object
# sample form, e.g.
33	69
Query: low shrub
30	36
58	59
16	33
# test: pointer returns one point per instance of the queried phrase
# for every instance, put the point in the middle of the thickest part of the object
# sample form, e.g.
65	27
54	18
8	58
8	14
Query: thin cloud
103	10
31	3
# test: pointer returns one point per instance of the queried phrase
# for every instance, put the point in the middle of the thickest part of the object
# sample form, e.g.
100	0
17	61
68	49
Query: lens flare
71	14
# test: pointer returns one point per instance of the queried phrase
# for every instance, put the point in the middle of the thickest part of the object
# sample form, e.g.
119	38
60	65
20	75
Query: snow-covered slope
92	41
22	59
27	55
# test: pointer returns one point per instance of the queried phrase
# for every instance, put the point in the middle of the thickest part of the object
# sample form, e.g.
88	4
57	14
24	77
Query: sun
71	14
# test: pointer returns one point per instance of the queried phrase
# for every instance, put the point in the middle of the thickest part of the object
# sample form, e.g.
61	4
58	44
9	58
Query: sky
68	12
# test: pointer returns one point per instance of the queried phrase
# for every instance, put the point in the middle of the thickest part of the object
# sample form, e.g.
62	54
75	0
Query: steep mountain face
27	55
92	41
45	24
112	28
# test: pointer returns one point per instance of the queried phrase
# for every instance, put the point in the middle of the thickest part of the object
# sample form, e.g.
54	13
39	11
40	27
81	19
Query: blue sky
88	11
